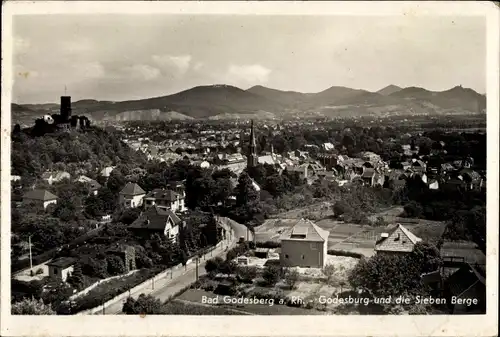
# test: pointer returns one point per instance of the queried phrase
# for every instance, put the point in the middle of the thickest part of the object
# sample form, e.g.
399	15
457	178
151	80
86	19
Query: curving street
182	277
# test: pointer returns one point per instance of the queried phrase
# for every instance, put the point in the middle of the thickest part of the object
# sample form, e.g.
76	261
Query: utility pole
197	258
31	257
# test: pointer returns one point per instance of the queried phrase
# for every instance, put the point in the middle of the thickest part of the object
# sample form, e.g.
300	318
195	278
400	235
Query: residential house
54	177
15	178
462	252
473	179
433	184
158	220
418	166
395	179
398	240
165	199
177	187
304	245
446	168
40	198
106	172
131	195
92	185
61	268
468	282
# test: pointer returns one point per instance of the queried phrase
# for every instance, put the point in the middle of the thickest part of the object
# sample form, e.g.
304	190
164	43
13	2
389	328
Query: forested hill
86	152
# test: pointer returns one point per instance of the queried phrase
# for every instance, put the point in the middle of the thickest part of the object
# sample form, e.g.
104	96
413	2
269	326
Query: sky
124	57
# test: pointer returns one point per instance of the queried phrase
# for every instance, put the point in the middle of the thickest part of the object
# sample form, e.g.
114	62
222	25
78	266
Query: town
161	217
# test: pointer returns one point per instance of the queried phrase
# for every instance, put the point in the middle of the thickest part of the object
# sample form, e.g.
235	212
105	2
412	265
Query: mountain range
226	102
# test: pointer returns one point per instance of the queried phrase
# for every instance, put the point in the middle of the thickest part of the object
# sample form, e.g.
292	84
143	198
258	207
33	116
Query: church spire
252	159
252	138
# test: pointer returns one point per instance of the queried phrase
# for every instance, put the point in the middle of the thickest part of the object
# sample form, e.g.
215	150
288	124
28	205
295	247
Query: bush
268	244
344	253
271	274
213	265
31	307
246	274
116	265
340	207
143	305
227	267
240	249
292	277
95	268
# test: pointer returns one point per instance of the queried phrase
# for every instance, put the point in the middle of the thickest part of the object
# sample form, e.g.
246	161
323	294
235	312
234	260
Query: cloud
88	70
21	45
198	66
141	72
77	46
168	62
248	73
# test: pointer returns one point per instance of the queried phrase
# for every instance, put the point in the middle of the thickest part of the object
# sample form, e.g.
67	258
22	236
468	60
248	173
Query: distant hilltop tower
252	159
65	108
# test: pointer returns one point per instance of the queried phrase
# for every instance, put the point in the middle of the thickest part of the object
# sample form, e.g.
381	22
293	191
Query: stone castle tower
252	159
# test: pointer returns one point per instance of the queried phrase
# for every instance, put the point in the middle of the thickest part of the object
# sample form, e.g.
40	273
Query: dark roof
162	194
463	279
62	262
155	218
468	250
132	189
40	195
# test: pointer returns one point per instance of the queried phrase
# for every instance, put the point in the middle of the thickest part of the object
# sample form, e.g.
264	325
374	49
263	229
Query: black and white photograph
250	162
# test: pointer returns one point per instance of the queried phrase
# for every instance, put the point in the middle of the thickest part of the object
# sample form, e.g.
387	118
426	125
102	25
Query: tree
246	194
292	277
115	265
340	207
271	274
129	215
76	278
329	271
31	307
246	273
143	305
213	265
383	275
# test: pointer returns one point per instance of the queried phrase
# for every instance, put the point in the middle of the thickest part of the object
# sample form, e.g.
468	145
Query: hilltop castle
64	121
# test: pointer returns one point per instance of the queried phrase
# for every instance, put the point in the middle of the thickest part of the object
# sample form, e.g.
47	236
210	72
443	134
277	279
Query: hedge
111	289
344	253
268	244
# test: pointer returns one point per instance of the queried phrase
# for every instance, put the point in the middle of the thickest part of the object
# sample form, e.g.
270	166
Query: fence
89	288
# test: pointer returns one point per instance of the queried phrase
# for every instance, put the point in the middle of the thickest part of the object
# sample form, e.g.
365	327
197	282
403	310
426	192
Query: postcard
249	168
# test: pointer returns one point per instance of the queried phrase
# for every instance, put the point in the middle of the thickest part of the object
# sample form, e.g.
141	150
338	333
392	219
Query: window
286	256
313	246
302	256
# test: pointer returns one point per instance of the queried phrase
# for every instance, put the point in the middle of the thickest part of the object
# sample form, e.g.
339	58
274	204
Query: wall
66	272
139	288
89	288
301	254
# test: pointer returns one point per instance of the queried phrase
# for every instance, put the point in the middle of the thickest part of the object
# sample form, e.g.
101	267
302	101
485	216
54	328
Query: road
182	277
